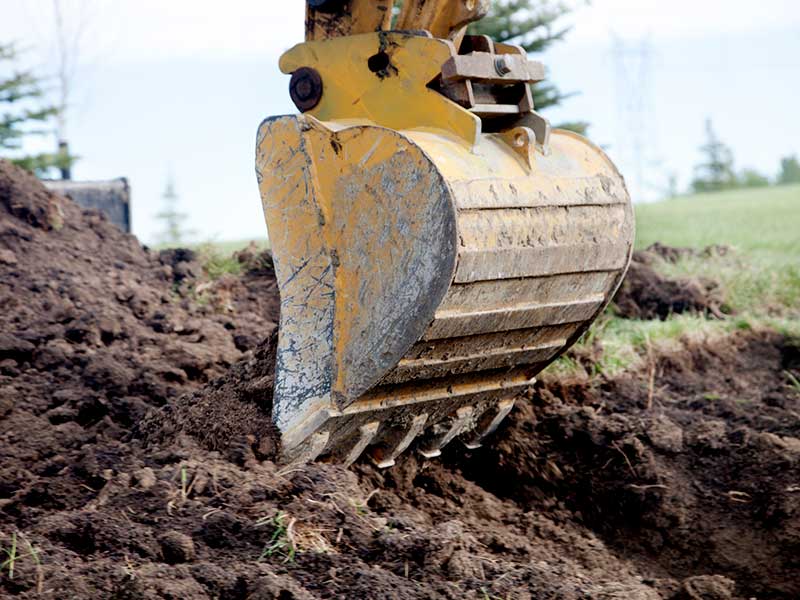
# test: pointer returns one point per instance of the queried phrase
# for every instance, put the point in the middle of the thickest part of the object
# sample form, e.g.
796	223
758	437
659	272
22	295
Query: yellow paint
350	214
398	100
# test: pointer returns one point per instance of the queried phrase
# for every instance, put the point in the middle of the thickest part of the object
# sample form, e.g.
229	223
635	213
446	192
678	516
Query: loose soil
137	453
647	294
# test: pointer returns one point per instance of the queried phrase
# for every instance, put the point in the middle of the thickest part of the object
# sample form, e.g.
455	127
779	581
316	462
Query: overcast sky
179	87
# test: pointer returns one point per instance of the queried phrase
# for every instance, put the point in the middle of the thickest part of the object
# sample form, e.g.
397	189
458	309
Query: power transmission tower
636	132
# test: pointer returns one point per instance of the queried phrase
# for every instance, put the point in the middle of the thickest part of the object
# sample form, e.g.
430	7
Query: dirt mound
231	415
693	474
672	254
682	485
646	294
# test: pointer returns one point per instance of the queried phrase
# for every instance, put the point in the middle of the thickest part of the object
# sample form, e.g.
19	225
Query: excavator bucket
436	244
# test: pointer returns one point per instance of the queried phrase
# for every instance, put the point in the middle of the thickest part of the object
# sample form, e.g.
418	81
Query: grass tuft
217	261
794	382
14	559
282	542
11	553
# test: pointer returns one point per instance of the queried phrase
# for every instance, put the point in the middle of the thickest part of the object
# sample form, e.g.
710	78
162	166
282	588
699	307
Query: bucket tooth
397	442
488	422
366	434
315	446
433	444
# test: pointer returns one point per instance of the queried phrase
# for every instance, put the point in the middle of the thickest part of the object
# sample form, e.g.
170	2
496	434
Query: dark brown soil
647	294
680	482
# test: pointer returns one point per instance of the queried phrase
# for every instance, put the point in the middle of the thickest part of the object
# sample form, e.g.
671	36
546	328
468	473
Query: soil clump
647	294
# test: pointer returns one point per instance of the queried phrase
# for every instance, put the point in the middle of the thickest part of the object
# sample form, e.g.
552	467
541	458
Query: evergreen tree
716	172
531	24
174	233
790	171
25	114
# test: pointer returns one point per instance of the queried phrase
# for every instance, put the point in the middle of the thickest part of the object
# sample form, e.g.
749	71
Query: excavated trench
136	451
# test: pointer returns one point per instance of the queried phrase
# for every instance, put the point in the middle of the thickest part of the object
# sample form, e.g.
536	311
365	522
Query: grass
761	221
762	226
232	246
282	541
760	276
218	258
794	382
216	263
14	559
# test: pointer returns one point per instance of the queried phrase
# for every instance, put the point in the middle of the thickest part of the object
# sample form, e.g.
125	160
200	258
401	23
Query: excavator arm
326	19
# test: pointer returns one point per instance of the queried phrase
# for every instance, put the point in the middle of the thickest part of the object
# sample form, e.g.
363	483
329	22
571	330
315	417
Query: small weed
11	553
360	507
34	554
794	383
216	262
184	483
14	558
282	541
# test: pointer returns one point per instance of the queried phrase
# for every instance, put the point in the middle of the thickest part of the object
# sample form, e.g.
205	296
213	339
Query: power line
637	145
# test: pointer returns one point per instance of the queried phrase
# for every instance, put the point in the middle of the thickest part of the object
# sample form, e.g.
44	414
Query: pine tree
531	24
790	171
716	172
174	233
25	115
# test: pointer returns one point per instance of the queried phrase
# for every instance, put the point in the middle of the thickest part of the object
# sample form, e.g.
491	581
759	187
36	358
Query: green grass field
760	277
761	226
763	222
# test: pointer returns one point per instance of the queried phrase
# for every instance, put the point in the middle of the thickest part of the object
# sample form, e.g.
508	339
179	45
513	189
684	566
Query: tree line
716	171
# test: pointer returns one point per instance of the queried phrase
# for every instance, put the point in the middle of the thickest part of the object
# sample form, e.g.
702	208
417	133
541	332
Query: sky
176	89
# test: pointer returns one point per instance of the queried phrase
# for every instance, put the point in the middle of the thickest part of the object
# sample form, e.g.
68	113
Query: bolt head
305	88
501	65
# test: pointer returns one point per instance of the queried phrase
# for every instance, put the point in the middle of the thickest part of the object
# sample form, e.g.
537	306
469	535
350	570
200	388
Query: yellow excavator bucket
435	244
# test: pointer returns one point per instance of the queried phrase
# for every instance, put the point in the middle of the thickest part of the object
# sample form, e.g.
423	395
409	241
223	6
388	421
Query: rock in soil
137	454
176	547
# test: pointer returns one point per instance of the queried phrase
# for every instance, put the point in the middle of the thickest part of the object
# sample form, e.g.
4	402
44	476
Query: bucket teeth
438	439
397	441
313	448
488	422
366	435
